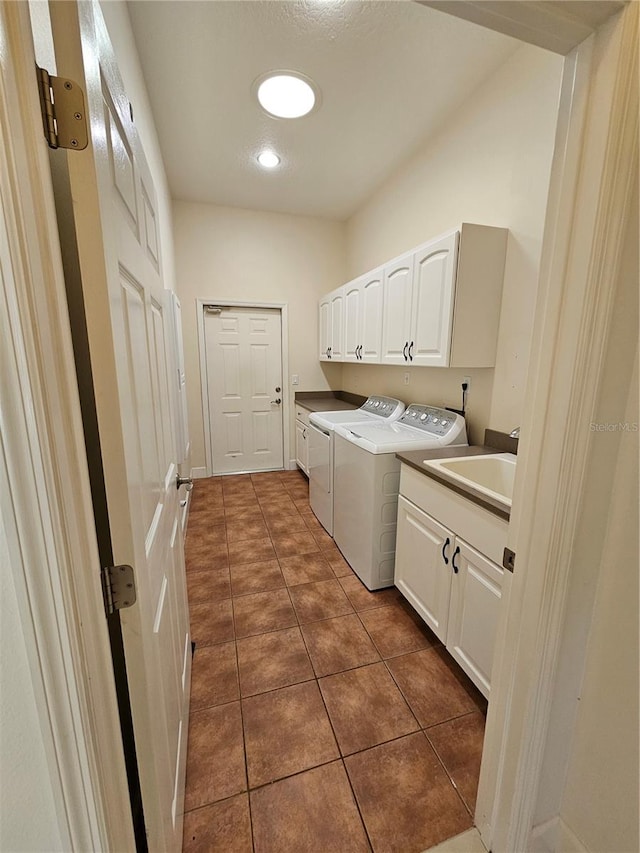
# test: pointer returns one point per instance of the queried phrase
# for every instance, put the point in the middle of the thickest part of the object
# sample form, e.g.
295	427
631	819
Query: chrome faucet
515	433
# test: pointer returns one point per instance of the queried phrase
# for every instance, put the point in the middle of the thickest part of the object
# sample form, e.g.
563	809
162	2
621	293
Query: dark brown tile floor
324	717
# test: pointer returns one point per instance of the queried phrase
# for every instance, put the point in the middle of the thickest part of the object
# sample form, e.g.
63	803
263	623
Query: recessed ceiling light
268	159
286	94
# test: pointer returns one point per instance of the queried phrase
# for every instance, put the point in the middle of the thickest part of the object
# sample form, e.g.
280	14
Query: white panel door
423	565
396	323
475	608
132	359
352	314
433	298
371	316
244	383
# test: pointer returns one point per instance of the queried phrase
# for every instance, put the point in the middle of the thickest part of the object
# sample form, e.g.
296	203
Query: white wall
228	253
489	164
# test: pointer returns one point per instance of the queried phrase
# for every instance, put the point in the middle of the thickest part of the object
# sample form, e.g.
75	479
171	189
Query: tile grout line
315	677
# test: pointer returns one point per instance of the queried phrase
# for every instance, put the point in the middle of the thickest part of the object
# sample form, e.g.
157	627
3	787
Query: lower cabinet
302	439
454	587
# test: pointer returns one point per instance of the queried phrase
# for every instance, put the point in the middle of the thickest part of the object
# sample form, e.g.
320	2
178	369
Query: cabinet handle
404	350
456	569
360	352
329	352
411	351
444	548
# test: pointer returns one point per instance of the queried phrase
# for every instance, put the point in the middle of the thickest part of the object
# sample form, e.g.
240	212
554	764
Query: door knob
184	481
277	401
278	389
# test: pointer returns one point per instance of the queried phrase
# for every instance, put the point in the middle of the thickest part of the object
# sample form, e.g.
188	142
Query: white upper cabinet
436	306
331	326
397	300
419	290
371	302
337	324
363	318
434	267
324	327
352	303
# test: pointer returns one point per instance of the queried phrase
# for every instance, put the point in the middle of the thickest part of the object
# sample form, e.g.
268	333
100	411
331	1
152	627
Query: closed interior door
244	385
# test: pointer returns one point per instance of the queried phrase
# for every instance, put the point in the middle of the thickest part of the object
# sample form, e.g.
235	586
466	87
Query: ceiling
390	73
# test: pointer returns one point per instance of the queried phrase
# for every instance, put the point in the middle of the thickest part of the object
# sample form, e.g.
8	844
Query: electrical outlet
295	379
467	379
405	379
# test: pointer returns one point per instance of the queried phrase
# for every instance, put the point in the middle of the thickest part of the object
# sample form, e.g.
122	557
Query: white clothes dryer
376	409
367	480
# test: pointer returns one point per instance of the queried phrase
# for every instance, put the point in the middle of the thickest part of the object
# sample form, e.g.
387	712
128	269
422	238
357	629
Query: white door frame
588	209
46	504
204	388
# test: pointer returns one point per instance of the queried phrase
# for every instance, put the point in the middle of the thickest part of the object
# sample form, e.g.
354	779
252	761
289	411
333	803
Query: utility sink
491	475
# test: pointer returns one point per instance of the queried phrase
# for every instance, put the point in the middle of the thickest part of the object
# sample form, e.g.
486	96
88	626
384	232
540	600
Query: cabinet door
473	619
423	565
337	325
396	321
352	300
371	317
302	447
324	328
433	297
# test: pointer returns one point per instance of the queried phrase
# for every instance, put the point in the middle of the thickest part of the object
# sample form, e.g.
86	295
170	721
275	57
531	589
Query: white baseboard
198	473
554	836
292	465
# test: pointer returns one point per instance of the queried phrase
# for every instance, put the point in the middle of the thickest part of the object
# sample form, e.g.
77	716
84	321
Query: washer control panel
384	407
429	419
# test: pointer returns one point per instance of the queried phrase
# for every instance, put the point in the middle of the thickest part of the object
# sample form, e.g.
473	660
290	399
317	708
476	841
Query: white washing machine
375	409
366	482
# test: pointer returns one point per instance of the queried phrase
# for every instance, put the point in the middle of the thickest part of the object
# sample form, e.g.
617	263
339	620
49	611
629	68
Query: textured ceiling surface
390	73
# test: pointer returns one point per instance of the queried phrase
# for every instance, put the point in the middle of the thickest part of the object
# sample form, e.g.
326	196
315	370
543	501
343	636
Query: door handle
278	389
184	481
456	569
404	350
277	401
411	351
444	548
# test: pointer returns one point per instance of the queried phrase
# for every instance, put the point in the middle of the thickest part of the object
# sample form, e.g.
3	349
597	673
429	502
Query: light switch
295	379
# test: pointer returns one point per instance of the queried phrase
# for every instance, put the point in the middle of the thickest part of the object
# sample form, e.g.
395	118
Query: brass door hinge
63	111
